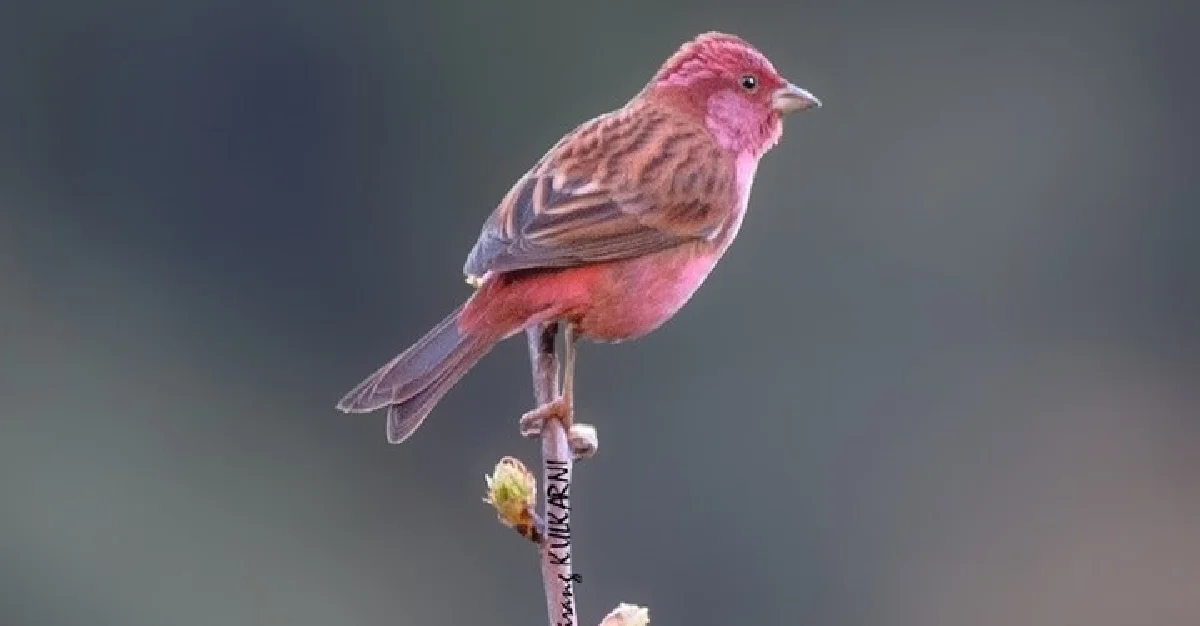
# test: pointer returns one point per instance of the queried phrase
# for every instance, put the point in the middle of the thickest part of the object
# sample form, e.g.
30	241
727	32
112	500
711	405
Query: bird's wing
618	187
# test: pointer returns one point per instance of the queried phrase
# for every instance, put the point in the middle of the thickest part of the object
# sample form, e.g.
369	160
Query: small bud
584	440
511	490
627	615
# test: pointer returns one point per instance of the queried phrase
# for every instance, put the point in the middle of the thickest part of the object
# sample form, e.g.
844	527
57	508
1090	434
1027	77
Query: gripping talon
532	422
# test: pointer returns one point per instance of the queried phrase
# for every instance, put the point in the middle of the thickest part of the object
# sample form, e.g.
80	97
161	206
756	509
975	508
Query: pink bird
612	231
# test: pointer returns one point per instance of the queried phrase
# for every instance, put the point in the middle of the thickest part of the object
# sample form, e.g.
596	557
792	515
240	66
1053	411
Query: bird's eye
749	82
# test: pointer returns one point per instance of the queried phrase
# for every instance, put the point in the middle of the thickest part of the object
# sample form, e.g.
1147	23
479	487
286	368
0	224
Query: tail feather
403	418
413	382
409	372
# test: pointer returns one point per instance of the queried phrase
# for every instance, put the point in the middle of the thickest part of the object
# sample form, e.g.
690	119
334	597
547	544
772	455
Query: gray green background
947	375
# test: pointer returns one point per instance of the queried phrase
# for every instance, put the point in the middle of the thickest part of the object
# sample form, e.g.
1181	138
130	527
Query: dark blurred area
949	374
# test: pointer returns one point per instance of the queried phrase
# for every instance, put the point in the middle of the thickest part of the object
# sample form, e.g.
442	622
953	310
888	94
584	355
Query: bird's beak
790	98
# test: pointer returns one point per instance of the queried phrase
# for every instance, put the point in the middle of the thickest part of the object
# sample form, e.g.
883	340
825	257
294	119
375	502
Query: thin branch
512	489
557	465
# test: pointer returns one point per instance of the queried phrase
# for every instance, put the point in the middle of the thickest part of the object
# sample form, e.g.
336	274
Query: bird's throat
740	125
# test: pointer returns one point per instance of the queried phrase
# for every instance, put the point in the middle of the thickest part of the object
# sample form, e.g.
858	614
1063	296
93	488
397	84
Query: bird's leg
570	342
560	407
542	340
582	437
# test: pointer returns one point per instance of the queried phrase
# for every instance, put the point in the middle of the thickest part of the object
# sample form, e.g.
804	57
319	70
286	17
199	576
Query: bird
612	231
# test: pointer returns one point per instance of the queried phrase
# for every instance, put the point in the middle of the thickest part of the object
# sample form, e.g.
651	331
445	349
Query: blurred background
949	374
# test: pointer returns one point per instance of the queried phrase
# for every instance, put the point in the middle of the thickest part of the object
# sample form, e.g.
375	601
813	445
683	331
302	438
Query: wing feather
624	185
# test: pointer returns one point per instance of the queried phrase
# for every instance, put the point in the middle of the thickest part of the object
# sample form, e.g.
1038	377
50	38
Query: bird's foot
533	421
582	437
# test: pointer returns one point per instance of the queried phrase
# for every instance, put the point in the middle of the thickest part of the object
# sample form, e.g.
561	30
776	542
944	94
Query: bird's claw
533	421
581	437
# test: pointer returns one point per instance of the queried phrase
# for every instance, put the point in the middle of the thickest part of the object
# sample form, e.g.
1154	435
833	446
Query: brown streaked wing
603	196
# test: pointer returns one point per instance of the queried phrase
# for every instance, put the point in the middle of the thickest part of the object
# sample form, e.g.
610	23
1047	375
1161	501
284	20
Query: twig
512	490
557	465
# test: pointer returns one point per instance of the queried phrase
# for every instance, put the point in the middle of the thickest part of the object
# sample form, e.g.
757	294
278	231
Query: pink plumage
614	229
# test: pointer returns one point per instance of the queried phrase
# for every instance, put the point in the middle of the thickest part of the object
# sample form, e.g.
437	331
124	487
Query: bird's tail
413	382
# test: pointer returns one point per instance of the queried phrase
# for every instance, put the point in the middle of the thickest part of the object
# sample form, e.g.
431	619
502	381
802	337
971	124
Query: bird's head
733	87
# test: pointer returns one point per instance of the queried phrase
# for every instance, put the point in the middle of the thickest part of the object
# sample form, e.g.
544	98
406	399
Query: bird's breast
633	297
746	166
